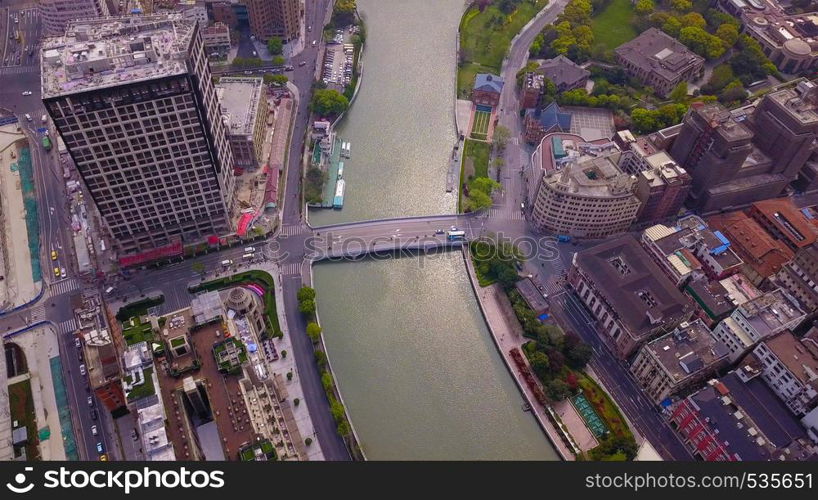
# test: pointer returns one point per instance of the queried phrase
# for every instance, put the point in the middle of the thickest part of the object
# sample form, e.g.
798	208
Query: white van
109	290
227	262
247	256
249	249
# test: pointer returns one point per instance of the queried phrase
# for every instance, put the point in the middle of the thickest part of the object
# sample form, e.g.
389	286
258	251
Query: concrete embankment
506	339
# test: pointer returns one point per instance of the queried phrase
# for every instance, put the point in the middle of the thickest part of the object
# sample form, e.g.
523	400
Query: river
413	357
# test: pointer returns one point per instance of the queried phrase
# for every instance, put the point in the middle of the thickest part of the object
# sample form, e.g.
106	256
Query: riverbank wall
544	415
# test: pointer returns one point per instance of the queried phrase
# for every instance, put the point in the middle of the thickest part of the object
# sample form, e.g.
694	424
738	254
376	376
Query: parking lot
338	61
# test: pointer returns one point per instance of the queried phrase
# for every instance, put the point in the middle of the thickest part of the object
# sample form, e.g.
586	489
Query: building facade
662	189
216	38
274	18
790	368
756	320
800	277
583	192
680	359
134	102
56	14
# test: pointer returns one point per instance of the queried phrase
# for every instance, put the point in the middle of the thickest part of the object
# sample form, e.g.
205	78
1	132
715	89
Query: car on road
63	273
93	414
134	435
94	430
302	63
314	42
454	228
101	449
28	117
309	28
57	272
227	262
53	255
77	342
26	92
82	370
90	401
103	458
248	72
439	231
288	68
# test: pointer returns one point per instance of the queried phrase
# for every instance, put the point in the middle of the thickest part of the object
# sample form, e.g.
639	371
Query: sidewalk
507	338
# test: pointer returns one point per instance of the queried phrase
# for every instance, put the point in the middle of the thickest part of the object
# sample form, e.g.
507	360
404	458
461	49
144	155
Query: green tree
344	429
336	409
644	121
644	7
278	61
681	5
500	139
672	26
478	200
277	80
539	363
305	293
577	12
307	307
329	102
728	33
314	331
557	389
702	42
679	93
693	19
275	46
320	358
343	13
578	355
326	381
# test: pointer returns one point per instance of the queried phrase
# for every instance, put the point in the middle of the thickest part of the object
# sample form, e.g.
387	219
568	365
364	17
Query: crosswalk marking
67	326
291	269
294	230
64	286
499	213
17	70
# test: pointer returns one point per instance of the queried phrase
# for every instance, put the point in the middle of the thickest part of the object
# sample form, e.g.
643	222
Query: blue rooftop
553	117
488	83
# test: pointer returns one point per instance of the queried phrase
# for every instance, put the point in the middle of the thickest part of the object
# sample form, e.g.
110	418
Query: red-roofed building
762	254
785	222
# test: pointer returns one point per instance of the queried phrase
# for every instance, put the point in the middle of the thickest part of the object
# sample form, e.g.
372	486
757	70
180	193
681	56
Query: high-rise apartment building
56	14
279	18
133	99
750	154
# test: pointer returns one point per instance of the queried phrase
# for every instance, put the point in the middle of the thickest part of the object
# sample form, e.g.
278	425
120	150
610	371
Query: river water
412	354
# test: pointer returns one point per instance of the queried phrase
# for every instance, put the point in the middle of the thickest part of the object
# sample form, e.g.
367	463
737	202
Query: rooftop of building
206	307
155	443
799	101
712	296
532	295
757	248
240	98
101	357
687	350
633	285
723	121
655	51
696	238
486	82
108	52
795	34
788	219
800	357
739	289
562	71
771	312
534	81
750	419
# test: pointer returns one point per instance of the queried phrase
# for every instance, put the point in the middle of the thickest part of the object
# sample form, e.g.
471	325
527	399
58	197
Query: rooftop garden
139	308
222	353
135	331
144	389
259	278
21	406
264	449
